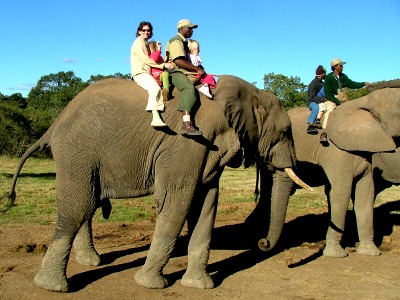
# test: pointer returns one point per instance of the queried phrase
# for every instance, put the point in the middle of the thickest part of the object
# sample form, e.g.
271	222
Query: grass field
35	202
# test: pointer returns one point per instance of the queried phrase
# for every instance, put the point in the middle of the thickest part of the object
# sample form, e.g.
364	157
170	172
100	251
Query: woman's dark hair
140	27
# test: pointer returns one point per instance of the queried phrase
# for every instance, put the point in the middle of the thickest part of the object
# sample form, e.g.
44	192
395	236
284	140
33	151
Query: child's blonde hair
153	46
193	44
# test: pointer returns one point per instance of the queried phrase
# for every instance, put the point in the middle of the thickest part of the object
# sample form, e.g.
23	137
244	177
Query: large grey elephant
103	147
363	136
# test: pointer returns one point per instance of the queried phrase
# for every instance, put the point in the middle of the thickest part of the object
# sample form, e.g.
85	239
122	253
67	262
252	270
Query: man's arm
188	66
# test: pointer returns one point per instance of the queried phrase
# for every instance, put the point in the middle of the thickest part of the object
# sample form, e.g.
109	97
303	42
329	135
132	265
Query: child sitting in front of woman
162	77
207	80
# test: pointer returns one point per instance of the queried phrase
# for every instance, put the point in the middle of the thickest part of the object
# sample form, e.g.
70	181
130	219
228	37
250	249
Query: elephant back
368	123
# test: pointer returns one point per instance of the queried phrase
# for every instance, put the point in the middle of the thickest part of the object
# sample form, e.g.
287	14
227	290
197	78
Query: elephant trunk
279	196
270	212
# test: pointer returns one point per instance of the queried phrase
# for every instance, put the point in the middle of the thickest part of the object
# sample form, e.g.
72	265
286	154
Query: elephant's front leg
364	209
169	224
199	245
86	254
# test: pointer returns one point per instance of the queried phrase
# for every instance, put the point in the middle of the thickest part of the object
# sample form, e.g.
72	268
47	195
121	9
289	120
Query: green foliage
24	120
16	100
14	129
354	94
94	78
49	97
290	90
53	92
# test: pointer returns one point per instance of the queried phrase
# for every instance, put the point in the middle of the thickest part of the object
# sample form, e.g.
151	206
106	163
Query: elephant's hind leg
199	246
75	205
339	197
86	254
364	209
52	275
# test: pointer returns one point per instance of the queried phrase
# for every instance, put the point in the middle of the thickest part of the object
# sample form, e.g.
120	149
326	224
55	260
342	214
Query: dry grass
35	190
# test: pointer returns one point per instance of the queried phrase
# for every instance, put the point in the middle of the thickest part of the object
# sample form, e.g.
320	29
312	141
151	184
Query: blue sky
244	38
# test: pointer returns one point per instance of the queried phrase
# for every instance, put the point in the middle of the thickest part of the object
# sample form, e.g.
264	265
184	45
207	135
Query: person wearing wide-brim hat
334	85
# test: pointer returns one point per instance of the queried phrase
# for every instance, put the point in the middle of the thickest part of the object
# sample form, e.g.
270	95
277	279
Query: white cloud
69	60
21	87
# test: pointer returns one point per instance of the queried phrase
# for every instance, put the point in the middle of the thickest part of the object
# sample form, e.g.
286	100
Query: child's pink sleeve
156	56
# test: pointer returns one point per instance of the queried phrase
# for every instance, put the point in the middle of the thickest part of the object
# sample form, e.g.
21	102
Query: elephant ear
354	126
239	101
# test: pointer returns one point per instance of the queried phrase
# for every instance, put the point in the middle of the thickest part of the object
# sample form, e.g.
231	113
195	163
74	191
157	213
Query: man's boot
311	129
317	124
188	129
323	139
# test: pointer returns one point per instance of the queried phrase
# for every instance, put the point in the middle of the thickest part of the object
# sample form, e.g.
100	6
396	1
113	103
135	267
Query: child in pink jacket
162	77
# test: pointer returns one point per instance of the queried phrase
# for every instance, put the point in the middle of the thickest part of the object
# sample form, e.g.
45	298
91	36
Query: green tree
49	97
94	78
353	94
14	129
290	90
53	92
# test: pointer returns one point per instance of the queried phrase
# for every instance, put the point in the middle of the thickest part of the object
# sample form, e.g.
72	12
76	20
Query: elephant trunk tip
265	245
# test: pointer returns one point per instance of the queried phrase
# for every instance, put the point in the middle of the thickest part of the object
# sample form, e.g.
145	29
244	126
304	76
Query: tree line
25	120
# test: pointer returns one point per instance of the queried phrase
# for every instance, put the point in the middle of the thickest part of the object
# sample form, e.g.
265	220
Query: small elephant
103	147
363	136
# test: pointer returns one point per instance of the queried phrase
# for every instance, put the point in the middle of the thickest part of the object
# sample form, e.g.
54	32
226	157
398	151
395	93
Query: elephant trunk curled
271	209
280	193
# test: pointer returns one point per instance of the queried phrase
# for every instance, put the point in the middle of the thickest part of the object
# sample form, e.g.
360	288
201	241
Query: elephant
386	169
362	152
103	147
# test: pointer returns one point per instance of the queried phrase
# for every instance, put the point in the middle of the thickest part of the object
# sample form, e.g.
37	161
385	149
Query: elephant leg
169	223
339	197
86	254
364	209
52	275
74	206
199	245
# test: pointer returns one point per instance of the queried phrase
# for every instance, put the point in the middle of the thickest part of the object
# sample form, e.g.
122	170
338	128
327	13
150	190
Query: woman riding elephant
103	148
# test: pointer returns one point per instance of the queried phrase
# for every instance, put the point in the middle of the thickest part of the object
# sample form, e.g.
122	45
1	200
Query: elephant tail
39	144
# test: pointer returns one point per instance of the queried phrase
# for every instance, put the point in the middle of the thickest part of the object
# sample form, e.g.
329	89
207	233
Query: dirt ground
295	270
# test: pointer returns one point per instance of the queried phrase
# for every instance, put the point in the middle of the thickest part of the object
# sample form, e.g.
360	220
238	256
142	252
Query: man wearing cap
176	53
334	84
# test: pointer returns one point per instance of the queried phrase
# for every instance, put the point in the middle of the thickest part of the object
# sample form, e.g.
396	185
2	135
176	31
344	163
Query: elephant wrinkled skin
104	147
361	160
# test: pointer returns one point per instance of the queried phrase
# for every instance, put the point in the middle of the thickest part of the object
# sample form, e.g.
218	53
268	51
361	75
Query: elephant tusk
297	180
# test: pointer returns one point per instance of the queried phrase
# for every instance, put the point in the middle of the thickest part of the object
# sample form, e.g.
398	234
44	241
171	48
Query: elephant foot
200	280
88	258
333	249
368	248
151	280
52	281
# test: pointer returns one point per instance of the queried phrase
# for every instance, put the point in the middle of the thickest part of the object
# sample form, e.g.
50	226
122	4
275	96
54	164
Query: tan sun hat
337	61
187	23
